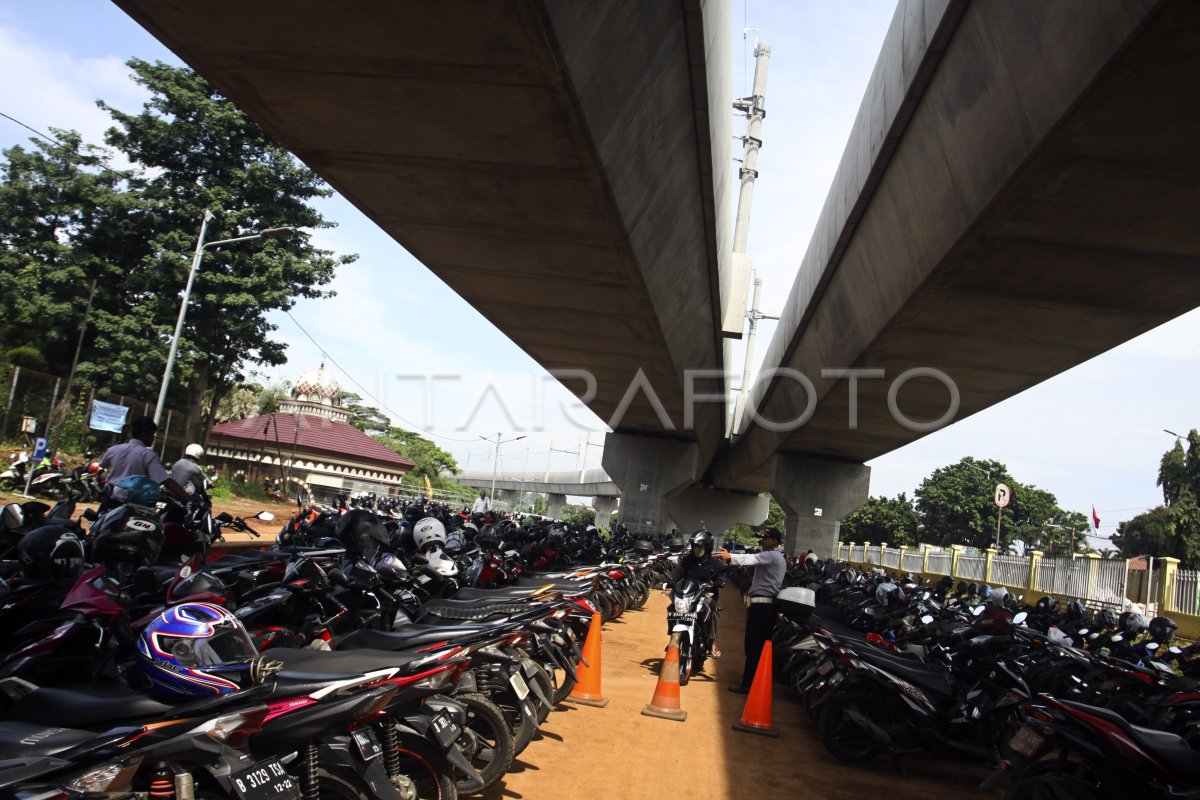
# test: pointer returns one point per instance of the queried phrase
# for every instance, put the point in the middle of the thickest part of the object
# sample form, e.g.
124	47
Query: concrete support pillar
604	507
697	507
554	504
648	471
817	495
503	499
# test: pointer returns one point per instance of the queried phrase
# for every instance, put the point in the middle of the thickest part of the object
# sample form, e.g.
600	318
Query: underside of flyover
554	162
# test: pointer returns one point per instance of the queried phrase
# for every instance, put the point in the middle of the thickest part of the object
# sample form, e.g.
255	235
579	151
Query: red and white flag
1095	518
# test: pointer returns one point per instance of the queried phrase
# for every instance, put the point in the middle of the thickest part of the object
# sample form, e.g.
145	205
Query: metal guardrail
1010	570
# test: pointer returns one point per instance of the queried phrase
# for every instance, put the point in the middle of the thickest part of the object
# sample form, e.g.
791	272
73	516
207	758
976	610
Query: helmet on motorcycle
961	588
1047	604
1075	610
194	451
1162	629
428	533
888	593
998	597
456	542
197	650
643	547
1106	619
361	533
489	536
127	535
985	591
1131	623
52	551
137	490
676	544
702	543
972	588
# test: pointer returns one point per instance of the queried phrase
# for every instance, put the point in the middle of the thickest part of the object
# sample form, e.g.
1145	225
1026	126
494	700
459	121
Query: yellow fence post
925	559
882	547
1093	574
866	559
1035	560
987	565
850	553
955	552
900	566
1167	569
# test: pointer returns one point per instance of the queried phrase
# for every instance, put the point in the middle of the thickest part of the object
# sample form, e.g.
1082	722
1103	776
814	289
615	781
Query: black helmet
1047	604
1162	629
702	540
51	551
1075	610
643	547
489	536
127	535
961	588
361	533
676	544
1106	619
1131	623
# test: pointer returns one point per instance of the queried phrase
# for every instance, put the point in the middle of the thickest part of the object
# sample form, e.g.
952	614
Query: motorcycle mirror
265	516
976	611
1094	635
1083	631
1118	638
12	516
926	596
1020	617
1175	651
224	517
1151	646
928	618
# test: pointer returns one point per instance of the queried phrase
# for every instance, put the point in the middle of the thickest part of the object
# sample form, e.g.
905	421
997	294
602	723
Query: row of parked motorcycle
409	653
1064	702
51	478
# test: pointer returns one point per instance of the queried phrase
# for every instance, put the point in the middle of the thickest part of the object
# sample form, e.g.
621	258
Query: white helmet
429	531
194	451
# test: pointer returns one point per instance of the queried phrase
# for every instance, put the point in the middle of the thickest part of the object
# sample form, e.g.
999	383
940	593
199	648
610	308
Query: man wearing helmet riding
187	472
699	564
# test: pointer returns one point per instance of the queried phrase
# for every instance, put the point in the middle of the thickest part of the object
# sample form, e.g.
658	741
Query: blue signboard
39	448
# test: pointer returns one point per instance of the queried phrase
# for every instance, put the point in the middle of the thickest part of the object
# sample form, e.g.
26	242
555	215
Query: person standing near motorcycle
136	457
769	568
699	564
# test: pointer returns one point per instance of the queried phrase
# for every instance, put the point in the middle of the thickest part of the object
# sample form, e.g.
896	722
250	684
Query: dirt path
615	752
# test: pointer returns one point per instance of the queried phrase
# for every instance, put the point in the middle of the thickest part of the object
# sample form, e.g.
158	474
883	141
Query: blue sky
1092	435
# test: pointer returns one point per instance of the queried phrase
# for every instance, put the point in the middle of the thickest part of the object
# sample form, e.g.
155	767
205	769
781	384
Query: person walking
136	457
769	568
481	504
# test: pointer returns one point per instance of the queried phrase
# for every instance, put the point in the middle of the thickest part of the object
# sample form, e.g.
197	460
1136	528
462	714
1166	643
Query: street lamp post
496	460
201	246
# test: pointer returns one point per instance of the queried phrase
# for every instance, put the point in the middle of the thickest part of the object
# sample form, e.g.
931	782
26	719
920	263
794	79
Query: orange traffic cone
665	702
587	689
756	716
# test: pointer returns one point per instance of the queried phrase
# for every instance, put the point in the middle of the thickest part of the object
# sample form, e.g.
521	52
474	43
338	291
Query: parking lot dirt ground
588	753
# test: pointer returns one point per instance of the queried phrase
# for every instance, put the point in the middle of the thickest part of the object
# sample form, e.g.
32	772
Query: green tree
431	461
956	503
194	152
1172	529
748	534
578	514
882	519
368	419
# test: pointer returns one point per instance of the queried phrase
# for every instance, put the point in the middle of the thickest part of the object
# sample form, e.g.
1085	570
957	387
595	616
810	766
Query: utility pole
754	107
496	461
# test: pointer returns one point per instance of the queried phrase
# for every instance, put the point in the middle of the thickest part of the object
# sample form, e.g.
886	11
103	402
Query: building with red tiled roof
309	444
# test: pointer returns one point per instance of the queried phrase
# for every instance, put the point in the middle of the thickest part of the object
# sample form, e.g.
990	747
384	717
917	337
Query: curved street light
201	246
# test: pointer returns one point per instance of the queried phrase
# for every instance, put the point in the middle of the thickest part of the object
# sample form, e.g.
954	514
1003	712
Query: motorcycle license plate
519	686
267	780
445	729
824	668
1026	742
675	616
368	745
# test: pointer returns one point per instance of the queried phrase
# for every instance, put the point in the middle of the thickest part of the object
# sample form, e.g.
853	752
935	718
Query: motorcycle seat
470	610
85	708
317	666
1172	750
407	638
909	669
24	739
503	593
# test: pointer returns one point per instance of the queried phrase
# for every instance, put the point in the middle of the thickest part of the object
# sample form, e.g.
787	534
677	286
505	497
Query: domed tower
316	392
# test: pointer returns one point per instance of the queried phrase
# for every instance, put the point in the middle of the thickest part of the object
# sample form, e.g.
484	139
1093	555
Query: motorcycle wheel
1053	786
431	782
486	738
685	659
844	740
642	594
342	784
563	683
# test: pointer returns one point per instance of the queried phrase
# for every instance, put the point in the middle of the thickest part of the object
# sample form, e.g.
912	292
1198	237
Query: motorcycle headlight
682	604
